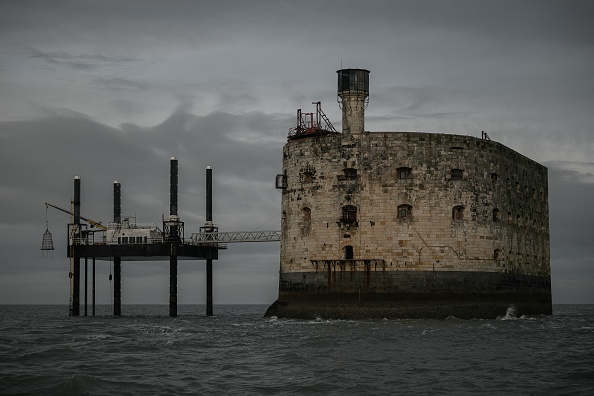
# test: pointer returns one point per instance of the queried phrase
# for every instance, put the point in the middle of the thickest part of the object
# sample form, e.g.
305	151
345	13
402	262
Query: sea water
43	351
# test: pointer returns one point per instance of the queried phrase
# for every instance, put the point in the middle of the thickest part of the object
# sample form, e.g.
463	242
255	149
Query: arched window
457	174
458	212
404	173
306	214
405	212
495	214
349	214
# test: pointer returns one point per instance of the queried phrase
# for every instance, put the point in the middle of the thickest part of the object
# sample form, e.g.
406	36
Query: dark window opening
457	174
458	213
307	177
404	212
306	212
495	214
404	173
493	178
348	252
349	214
350	174
509	218
496	253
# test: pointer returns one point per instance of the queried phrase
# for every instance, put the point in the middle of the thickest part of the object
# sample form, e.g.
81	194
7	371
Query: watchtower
353	98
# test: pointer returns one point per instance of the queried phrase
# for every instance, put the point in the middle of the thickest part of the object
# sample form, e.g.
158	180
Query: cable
275	216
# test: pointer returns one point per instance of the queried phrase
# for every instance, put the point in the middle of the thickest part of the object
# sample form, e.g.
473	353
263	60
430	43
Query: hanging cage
48	242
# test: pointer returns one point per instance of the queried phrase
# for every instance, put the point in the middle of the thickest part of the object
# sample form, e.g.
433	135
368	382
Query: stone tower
408	224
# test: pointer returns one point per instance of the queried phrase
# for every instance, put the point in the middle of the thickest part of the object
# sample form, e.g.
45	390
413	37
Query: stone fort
407	224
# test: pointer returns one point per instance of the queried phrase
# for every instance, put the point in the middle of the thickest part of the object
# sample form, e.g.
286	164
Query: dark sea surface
43	351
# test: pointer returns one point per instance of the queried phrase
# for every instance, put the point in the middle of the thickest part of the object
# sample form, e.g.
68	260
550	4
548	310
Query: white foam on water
510	314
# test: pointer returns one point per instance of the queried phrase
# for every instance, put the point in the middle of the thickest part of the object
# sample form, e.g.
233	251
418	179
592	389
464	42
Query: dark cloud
80	61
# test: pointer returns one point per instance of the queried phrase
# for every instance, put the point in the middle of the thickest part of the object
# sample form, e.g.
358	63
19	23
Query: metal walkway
236	236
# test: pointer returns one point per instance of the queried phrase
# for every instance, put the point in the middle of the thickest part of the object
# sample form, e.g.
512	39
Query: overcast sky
112	89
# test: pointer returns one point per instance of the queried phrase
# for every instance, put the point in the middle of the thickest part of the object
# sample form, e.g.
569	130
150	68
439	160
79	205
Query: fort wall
390	218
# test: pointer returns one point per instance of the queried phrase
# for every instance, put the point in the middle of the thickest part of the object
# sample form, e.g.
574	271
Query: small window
281	181
495	214
494	178
306	214
496	254
350	174
457	174
458	213
404	212
517	186
307	177
349	214
509	218
404	173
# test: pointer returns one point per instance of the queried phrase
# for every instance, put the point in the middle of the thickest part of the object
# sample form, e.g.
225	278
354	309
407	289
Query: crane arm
91	222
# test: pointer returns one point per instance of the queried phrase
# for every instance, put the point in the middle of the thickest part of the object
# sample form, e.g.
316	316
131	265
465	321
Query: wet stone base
416	309
411	295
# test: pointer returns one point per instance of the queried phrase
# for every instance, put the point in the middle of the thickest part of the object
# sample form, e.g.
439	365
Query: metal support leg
93	286
117	286
86	283
173	286
209	311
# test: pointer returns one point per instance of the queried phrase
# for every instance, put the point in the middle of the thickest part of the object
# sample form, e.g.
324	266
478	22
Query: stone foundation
410	294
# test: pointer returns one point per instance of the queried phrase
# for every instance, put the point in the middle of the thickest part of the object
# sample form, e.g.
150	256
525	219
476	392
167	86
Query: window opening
307	177
348	252
404	173
306	213
404	212
350	174
495	214
493	178
349	214
457	174
458	212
